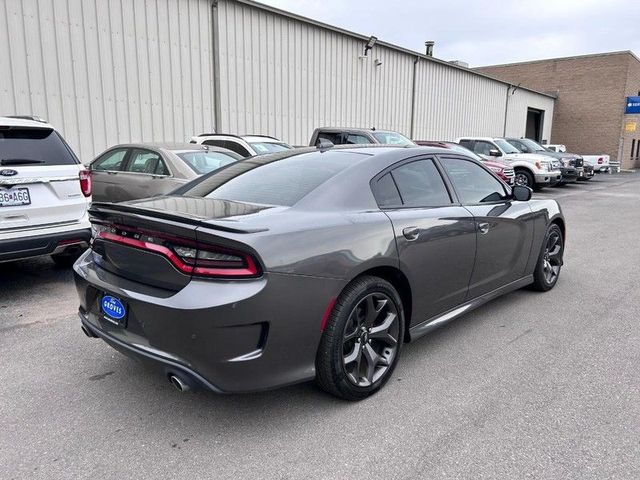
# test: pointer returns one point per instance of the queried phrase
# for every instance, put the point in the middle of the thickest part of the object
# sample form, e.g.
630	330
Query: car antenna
323	144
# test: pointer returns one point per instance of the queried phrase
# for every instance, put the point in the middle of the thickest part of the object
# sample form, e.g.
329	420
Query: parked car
570	163
314	263
44	193
140	170
600	163
532	170
358	136
501	169
245	146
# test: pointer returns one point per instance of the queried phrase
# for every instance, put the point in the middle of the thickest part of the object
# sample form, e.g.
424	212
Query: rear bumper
44	244
231	336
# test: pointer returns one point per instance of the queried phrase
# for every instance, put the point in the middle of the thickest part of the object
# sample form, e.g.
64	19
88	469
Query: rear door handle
483	227
411	233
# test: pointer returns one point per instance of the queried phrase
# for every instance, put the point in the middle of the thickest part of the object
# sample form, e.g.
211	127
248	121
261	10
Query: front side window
110	161
144	161
472	182
354	139
483	148
420	184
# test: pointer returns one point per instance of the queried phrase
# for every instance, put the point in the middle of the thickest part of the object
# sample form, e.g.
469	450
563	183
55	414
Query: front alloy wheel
524	179
361	343
550	262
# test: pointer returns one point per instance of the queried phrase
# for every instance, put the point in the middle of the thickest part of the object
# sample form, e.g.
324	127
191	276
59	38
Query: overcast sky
486	32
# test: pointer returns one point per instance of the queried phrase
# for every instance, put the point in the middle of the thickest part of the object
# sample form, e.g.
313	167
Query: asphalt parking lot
529	386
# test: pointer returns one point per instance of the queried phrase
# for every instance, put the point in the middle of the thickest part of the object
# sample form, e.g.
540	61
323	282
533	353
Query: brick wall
588	116
632	88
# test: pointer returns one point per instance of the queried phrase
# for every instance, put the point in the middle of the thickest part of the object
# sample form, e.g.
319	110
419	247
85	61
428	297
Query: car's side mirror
521	193
495	152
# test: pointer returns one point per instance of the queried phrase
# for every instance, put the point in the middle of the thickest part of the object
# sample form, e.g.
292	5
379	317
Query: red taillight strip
250	270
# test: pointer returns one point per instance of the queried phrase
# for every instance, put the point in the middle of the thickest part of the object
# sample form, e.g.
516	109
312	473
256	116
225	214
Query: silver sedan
141	170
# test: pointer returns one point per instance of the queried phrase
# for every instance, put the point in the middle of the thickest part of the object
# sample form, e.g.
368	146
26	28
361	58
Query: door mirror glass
521	193
494	152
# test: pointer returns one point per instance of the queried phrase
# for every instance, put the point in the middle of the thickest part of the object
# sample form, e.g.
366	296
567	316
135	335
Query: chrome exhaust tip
179	383
86	331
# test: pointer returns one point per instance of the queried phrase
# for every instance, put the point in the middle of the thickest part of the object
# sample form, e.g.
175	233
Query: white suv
246	146
531	170
44	193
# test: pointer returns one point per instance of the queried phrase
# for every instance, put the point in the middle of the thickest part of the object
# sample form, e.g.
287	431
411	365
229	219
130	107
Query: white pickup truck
600	163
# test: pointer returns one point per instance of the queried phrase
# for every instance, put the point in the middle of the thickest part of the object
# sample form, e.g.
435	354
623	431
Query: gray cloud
488	32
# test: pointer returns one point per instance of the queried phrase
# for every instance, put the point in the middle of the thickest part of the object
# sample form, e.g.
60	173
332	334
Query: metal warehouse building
114	71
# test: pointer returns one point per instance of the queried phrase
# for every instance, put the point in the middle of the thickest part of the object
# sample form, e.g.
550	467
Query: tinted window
33	146
269	181
144	161
386	192
206	161
483	148
472	182
392	138
269	147
353	139
334	137
420	184
467	144
110	161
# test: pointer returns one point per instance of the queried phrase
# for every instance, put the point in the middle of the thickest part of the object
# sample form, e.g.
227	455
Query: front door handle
483	227
411	233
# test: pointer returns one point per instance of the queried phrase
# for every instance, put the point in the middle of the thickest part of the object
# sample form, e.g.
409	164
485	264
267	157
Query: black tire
346	350
525	178
64	260
547	271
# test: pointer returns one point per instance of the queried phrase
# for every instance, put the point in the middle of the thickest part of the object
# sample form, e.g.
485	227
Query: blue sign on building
632	105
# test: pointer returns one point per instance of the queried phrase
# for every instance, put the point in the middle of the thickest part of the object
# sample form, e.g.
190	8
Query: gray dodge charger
310	264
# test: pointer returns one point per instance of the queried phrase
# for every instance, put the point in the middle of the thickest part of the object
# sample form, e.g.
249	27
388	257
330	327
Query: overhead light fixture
370	43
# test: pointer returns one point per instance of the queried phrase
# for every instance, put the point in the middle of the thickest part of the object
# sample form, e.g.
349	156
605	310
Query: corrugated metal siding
282	77
519	102
109	71
452	102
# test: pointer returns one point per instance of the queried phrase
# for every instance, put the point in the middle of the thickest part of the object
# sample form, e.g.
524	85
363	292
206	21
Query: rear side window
110	161
144	161
354	139
467	144
337	138
33	146
229	145
420	184
386	192
270	180
269	147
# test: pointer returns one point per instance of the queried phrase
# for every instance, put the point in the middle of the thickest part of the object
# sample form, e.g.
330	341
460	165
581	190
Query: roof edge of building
359	36
572	57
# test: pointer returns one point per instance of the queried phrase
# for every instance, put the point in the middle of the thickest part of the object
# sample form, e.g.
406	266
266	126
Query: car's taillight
600	161
189	257
85	182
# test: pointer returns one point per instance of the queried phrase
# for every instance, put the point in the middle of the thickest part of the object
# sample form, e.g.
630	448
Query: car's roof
488	139
23	122
356	129
247	138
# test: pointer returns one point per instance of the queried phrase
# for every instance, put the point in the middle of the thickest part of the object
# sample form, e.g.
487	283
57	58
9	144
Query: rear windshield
203	162
33	146
272	180
269	147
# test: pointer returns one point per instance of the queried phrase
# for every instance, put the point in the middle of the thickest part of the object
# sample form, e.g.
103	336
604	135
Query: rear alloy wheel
362	339
550	262
524	178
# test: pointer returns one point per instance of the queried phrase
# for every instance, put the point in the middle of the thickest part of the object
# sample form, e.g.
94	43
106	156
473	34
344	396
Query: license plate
114	310
14	196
